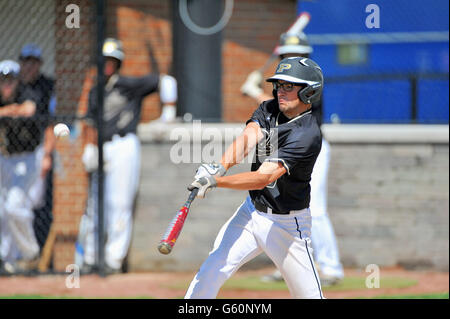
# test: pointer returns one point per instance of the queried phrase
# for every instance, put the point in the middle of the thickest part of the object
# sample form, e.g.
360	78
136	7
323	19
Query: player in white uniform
122	155
275	218
323	237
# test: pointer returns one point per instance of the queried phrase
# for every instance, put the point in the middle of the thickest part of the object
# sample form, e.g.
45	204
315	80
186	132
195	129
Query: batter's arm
88	127
49	146
26	109
242	145
267	173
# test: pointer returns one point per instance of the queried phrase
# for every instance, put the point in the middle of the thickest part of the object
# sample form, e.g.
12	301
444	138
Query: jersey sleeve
295	149
259	116
141	86
92	108
41	102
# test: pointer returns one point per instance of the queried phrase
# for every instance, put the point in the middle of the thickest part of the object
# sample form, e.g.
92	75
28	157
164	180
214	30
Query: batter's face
8	85
111	66
29	69
288	101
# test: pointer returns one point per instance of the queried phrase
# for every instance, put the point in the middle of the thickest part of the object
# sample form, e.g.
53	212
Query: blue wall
385	100
348	16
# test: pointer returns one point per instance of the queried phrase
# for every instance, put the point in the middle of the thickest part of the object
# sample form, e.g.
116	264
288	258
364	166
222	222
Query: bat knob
164	248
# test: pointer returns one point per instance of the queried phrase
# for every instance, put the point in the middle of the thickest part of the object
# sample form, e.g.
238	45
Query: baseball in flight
61	130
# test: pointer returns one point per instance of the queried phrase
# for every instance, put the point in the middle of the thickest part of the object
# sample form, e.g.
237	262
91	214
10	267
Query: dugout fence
56	45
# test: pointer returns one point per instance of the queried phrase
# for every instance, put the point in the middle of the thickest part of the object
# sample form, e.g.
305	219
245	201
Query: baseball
61	130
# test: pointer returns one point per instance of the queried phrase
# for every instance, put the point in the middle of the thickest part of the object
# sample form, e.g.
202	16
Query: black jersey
122	103
42	90
317	111
295	143
24	134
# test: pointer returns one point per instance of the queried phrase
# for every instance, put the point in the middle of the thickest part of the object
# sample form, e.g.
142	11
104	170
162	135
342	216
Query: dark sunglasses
286	86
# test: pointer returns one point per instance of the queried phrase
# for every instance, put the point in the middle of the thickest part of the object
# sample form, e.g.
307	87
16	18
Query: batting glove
203	184
211	169
252	85
90	158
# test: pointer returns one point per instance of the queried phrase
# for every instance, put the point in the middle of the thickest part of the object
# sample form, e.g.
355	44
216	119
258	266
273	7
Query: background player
326	251
122	153
275	218
31	78
24	144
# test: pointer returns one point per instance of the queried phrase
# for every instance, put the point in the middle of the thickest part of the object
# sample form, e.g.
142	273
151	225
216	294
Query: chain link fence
48	64
50	56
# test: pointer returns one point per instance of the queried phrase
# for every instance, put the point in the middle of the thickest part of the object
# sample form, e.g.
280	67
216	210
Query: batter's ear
274	93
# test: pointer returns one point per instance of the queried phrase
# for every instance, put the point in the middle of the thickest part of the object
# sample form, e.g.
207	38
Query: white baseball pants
21	190
248	233
122	168
326	251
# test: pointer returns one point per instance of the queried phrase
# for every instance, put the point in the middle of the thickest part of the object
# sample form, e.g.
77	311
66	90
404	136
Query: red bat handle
176	225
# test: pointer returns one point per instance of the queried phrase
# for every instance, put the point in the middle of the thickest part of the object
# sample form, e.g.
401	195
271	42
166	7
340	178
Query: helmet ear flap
309	94
300	95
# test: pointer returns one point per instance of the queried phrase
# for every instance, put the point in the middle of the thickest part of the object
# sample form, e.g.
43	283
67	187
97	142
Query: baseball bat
300	23
47	250
176	225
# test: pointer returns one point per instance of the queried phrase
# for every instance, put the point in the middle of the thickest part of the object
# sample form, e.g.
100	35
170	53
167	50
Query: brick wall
250	36
74	73
144	27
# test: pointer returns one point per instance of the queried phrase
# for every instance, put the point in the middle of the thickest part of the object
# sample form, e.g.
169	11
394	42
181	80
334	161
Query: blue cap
30	50
9	67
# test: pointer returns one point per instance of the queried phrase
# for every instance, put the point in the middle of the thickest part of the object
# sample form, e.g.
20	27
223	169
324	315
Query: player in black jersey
275	218
123	98
326	252
42	87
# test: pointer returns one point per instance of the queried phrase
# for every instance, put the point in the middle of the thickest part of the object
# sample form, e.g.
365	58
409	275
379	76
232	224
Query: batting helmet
294	43
302	71
113	48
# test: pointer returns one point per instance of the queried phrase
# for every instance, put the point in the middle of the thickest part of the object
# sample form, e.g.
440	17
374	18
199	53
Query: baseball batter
275	217
326	251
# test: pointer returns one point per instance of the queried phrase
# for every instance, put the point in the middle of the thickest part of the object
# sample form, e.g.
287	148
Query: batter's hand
203	184
211	169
